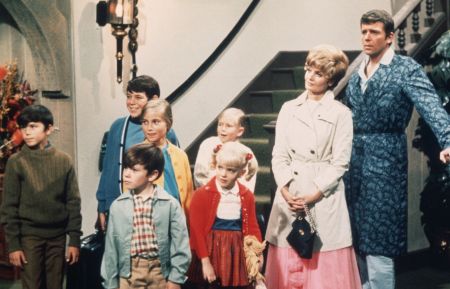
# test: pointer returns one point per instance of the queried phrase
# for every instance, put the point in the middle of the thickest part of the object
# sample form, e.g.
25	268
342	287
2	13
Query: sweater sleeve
110	174
10	206
189	184
73	228
253	227
198	222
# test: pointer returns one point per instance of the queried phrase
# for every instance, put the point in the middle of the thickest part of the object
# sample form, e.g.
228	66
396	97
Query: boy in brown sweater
41	204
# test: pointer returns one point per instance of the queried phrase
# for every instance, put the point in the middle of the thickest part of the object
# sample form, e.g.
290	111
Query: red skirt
226	253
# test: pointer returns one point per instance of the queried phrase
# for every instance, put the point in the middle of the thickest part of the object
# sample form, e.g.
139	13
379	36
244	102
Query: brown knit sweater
40	197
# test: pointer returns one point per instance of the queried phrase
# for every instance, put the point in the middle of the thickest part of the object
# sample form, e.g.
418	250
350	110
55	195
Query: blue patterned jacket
376	184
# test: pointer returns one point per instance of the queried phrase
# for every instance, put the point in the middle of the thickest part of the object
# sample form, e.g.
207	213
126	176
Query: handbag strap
312	221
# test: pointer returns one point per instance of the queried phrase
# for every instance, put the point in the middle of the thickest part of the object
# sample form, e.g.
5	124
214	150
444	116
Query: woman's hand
208	270
295	203
311	198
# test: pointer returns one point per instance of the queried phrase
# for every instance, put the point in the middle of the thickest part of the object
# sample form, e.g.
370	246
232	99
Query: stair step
260	148
287	77
263	181
270	101
256	122
263	170
262	199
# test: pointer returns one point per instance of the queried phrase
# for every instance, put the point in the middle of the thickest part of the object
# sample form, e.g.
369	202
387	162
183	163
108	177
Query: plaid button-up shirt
143	241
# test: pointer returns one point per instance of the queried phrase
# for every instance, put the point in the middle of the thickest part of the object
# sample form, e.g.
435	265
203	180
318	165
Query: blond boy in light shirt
230	127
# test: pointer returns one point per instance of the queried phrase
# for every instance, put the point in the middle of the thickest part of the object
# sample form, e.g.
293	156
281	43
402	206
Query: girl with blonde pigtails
222	214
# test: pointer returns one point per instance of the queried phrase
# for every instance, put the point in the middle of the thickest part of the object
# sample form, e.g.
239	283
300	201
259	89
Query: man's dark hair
146	84
382	16
35	113
147	155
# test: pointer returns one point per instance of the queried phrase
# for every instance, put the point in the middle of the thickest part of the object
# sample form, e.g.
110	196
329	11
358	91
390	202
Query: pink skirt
326	270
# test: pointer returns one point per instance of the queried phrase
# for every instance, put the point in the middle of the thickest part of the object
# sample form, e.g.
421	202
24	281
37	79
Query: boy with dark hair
124	133
41	204
147	243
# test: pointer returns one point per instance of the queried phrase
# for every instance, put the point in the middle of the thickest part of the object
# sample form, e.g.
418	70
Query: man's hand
73	253
17	258
445	156
208	270
171	285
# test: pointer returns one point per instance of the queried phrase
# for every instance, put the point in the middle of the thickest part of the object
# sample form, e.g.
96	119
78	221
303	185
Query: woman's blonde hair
330	60
236	155
162	106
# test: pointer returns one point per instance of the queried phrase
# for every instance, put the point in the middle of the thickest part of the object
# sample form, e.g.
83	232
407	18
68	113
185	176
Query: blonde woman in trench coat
312	151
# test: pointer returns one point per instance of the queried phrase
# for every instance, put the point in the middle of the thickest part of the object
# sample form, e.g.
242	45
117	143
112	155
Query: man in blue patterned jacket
381	95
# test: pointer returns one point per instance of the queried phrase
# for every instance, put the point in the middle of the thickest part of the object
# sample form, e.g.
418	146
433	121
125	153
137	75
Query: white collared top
230	203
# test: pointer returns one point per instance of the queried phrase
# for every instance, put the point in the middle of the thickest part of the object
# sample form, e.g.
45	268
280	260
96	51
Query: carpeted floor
424	278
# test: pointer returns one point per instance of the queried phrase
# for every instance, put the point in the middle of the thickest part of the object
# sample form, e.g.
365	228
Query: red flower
3	72
17	138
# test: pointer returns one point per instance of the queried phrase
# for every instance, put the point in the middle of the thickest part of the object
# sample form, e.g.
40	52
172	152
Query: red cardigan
203	212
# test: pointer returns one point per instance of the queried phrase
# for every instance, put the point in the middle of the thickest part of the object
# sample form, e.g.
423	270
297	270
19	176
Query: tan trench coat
312	152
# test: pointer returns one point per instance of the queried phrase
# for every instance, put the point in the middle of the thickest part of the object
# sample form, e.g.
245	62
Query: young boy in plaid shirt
148	225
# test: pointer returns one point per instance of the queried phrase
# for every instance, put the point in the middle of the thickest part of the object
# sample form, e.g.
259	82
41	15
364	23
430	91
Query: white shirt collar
385	60
234	190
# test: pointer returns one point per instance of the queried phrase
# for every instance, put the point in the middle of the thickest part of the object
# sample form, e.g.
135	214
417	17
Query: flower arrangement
15	95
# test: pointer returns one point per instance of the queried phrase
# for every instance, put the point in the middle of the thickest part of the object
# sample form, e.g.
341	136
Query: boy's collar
158	193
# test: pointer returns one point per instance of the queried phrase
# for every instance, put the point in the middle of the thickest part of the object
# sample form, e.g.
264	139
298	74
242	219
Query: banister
214	55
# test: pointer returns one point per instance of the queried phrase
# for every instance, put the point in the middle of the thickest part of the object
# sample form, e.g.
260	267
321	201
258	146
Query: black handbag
301	238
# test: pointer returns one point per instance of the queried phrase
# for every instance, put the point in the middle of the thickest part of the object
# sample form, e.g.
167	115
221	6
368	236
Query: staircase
280	80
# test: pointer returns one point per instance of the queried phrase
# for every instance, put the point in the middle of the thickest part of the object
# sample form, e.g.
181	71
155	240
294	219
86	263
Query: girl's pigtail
252	166
214	156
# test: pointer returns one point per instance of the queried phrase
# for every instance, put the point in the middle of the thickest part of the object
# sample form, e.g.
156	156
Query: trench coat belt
298	164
